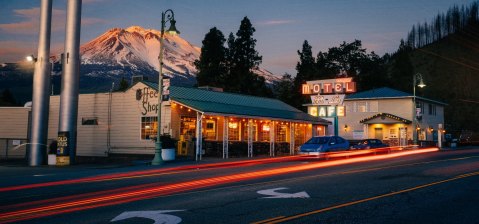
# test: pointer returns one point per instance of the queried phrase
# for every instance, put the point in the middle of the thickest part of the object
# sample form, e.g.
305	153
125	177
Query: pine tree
212	63
402	70
284	88
242	60
306	66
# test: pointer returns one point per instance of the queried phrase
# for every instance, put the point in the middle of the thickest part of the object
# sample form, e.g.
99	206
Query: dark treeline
455	19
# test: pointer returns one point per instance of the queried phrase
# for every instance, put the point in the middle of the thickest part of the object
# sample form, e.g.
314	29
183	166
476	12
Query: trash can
168	154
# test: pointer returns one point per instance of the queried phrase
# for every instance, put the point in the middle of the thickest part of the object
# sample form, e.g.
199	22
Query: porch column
291	138
250	138
199	137
366	131
271	139
225	137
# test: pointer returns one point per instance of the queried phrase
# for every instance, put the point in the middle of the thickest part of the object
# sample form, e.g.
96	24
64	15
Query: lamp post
417	76
41	81
166	16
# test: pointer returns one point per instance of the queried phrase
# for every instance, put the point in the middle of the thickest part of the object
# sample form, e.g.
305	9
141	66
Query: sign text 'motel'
329	86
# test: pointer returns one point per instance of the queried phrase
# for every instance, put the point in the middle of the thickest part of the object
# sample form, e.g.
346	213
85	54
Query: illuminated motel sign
327	96
329	86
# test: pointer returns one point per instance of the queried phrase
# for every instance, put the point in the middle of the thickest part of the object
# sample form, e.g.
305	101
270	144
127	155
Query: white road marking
274	194
158	216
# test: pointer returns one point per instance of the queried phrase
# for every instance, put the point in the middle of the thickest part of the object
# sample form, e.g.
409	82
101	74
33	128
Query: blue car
369	144
321	144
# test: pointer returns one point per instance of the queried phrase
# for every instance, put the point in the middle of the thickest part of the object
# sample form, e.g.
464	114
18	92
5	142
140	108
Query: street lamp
416	77
167	16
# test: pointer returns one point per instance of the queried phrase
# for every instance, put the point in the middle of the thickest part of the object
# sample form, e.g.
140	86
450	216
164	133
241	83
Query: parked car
369	144
321	144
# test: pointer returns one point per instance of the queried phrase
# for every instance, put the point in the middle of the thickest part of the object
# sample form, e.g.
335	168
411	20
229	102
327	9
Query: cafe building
203	121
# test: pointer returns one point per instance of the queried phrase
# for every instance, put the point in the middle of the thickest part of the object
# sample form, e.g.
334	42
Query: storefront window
264	132
233	131
148	127
245	131
299	134
187	128
281	132
209	129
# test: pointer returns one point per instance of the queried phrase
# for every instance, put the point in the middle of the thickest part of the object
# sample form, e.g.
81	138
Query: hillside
451	71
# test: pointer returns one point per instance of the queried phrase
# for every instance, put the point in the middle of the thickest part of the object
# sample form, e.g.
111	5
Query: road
413	186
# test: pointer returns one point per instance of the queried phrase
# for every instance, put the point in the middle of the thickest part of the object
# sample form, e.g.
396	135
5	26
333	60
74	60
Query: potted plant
168	147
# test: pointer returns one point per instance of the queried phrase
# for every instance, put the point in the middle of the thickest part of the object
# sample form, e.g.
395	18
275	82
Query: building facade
388	115
205	123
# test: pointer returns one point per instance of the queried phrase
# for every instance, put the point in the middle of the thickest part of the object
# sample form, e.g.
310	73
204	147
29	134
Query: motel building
205	122
382	113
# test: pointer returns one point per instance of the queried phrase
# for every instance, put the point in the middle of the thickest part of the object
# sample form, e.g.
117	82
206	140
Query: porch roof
232	104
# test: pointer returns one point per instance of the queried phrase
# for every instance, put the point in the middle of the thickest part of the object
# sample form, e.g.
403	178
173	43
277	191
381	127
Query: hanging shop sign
148	97
166	90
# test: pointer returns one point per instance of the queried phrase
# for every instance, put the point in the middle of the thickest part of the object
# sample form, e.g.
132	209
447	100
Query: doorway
378	133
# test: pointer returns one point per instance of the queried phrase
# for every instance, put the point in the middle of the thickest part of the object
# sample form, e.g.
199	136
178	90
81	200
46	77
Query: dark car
321	144
369	144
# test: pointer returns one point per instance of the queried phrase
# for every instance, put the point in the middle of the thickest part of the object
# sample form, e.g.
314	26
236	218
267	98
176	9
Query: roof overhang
312	120
385	118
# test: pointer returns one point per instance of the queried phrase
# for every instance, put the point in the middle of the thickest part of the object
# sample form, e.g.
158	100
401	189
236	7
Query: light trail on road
144	173
61	205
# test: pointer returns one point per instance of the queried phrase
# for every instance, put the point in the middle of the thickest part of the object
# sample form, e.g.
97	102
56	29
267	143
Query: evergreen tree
230	51
284	89
212	63
306	71
242	60
305	68
402	70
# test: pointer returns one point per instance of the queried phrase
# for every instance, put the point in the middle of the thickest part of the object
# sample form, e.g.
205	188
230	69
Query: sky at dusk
281	25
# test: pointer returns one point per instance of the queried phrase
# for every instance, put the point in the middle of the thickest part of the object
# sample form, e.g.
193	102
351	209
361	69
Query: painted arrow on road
158	216
274	194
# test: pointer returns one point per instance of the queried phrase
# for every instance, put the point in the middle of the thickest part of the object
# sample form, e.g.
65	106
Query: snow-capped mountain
137	48
134	51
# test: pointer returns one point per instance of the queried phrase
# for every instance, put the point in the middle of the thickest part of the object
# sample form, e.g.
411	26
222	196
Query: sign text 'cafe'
327	96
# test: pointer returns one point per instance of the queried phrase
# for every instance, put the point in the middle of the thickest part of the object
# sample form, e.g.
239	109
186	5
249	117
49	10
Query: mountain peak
137	47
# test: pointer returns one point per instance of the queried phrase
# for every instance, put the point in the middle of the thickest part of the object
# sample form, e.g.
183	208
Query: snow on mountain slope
136	47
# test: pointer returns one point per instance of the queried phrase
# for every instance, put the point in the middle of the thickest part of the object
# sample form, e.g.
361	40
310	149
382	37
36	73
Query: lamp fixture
31	58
